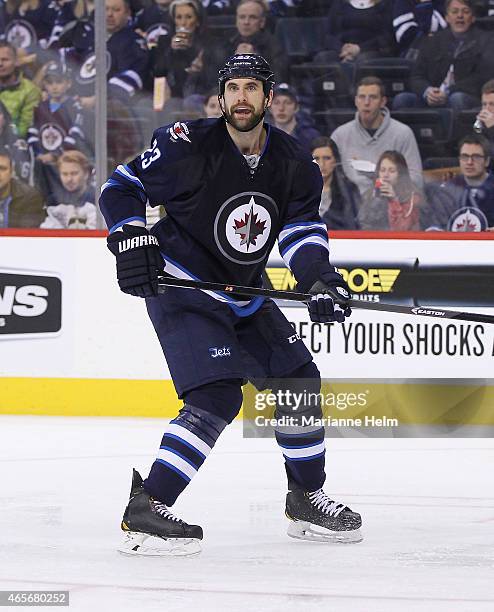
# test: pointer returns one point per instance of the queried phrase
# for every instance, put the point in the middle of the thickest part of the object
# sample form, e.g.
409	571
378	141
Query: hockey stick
168	281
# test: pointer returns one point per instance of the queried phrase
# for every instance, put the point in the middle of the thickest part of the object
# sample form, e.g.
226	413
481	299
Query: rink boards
72	344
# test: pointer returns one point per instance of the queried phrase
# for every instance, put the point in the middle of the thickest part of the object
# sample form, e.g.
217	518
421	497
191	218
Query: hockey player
231	186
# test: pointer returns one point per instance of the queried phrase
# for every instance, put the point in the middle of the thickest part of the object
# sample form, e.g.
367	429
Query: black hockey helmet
246	65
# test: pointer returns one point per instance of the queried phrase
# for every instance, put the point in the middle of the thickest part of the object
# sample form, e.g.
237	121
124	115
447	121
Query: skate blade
302	530
143	544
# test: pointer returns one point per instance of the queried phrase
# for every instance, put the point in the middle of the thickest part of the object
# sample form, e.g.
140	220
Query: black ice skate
152	530
315	517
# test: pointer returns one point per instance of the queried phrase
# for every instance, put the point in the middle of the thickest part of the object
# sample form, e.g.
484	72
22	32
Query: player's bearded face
244	104
244	117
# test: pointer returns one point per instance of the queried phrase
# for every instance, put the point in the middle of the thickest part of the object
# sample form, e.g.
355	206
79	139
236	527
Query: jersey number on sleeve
150	155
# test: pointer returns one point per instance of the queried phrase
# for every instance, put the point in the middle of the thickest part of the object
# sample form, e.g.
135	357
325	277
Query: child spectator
57	124
72	204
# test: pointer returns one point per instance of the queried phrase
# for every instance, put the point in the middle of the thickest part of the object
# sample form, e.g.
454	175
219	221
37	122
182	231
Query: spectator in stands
129	57
29	24
286	116
362	141
414	19
72	205
466	202
212	108
187	59
57	125
154	21
251	28
19	95
394	202
130	61
20	204
358	30
486	115
340	198
17	147
72	17
452	65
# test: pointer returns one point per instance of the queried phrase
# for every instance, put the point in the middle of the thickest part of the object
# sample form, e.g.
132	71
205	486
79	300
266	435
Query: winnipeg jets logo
250	227
154	32
51	137
21	34
467	219
244	227
87	71
179	130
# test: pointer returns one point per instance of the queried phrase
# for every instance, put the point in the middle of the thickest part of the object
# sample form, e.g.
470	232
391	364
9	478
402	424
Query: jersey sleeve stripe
127	173
120	223
316	240
109	183
402	18
288	231
131	74
122	84
403	28
294	238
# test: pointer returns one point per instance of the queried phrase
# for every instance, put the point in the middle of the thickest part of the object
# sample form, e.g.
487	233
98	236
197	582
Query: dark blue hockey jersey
31	28
154	22
222	216
127	62
57	127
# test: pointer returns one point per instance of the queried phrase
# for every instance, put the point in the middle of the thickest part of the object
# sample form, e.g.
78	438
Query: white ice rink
427	507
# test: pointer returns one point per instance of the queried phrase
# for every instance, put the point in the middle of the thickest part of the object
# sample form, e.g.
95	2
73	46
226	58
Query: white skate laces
322	502
161	509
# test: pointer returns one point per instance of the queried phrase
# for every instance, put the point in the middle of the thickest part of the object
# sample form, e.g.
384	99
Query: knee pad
221	398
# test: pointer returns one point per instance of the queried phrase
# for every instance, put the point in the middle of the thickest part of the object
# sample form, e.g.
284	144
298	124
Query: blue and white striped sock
184	447
304	452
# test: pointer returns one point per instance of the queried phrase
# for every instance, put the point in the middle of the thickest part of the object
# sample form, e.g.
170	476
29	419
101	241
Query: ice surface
427	507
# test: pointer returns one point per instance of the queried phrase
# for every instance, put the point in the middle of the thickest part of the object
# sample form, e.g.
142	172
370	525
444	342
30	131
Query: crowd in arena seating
394	99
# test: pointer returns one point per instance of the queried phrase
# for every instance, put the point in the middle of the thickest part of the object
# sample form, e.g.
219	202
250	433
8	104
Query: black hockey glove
329	302
138	260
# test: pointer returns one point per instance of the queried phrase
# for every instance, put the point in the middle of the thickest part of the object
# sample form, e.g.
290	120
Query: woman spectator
394	202
340	198
359	30
184	57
